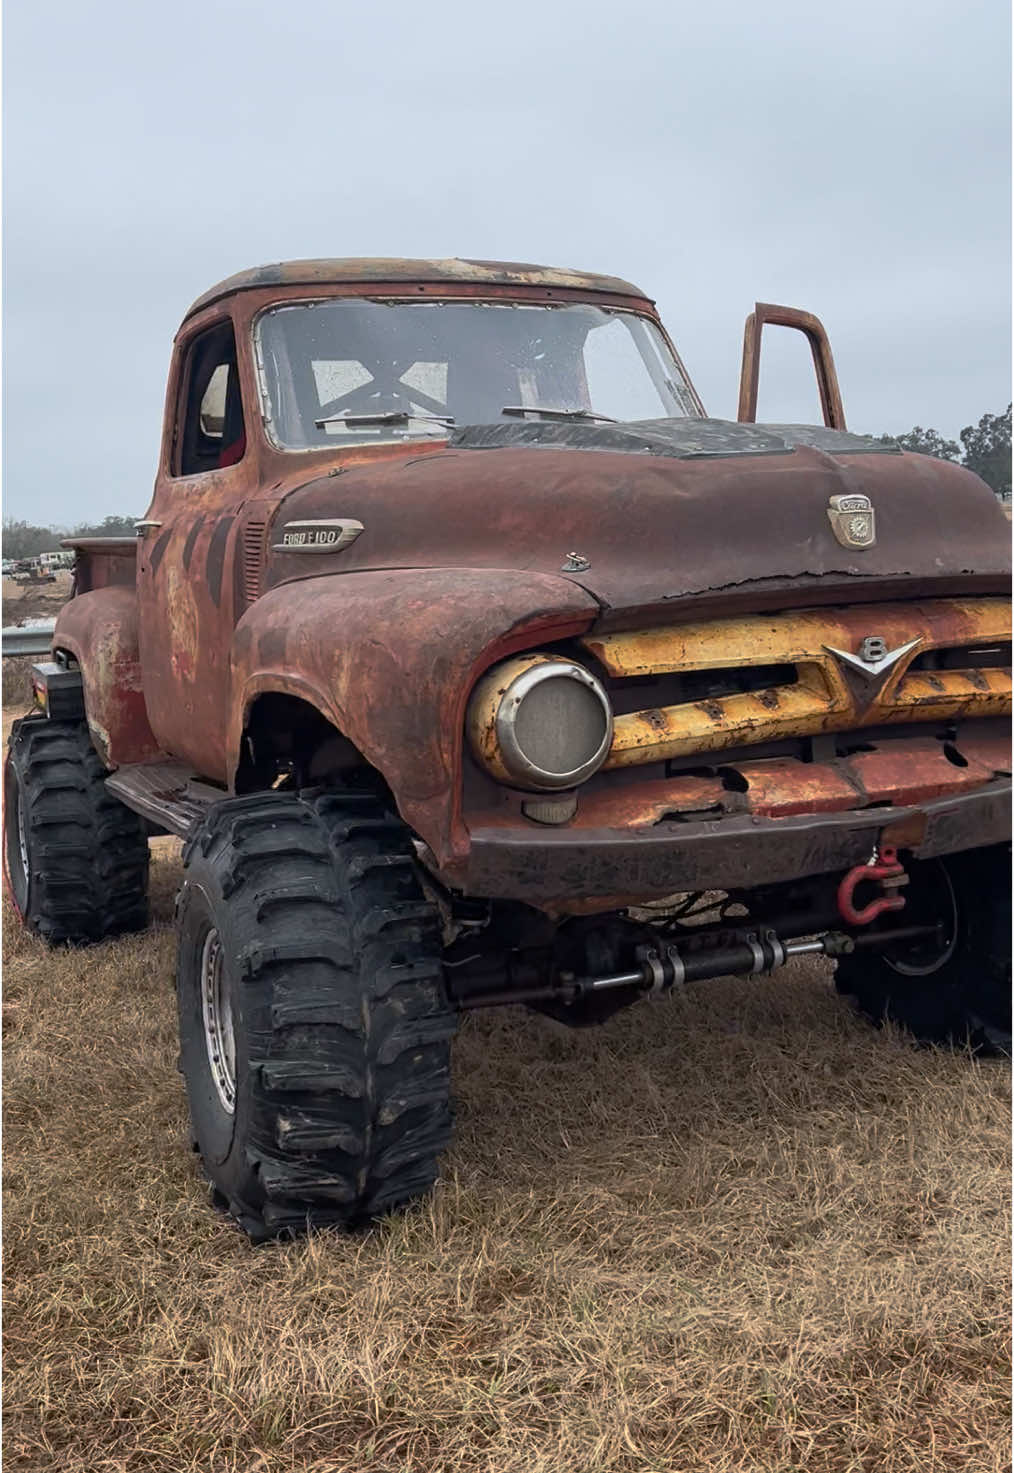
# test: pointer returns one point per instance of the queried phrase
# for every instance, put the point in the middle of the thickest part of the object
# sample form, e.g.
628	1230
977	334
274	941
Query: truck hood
644	514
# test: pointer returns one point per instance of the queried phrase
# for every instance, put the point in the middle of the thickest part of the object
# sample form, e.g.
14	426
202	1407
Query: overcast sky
851	159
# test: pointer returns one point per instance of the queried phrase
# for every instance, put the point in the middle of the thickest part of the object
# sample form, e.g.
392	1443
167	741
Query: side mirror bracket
820	347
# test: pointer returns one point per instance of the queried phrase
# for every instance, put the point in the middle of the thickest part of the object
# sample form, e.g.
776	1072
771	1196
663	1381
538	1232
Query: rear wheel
315	1029
75	857
955	988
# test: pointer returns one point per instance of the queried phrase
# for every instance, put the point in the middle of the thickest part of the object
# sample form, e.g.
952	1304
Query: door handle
141	527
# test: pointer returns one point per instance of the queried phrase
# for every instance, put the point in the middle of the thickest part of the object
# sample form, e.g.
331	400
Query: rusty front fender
389	657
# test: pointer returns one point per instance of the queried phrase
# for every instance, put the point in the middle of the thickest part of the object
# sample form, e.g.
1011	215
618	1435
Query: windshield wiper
520	410
381	417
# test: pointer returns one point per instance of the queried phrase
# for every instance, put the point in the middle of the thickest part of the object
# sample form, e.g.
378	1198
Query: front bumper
603	868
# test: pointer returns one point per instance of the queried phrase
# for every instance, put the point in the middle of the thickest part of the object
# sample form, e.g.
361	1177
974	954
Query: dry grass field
736	1230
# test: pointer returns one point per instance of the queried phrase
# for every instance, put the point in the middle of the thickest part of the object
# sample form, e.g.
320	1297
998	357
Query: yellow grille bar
826	695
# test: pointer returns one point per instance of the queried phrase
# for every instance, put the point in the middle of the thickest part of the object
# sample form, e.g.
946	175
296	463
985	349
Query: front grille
683	687
776	677
964	657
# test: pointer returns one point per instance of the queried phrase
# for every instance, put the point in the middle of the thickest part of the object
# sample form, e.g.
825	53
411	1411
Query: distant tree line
23	539
985	448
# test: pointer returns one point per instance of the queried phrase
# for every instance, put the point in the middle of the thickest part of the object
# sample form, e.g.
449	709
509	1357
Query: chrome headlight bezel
493	712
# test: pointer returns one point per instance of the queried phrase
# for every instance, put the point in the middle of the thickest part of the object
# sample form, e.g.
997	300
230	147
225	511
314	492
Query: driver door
186	596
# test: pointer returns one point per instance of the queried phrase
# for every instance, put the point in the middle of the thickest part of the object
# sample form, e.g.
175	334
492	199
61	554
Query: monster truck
455	642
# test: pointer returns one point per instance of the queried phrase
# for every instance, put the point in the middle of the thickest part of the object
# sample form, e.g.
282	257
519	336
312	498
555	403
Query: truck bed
102	562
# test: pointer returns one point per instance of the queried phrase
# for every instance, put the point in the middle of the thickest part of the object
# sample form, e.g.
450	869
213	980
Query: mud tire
83	874
965	999
331	967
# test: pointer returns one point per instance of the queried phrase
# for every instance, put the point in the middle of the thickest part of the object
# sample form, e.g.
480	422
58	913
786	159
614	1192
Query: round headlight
540	722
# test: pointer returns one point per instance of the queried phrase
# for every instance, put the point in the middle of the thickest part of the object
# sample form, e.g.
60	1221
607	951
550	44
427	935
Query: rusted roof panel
396	270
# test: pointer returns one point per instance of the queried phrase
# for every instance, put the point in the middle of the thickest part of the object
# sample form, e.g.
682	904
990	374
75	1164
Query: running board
168	794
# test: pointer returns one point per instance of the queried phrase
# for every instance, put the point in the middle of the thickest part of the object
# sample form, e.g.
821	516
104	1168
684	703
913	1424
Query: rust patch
100	630
271	644
399	273
102	562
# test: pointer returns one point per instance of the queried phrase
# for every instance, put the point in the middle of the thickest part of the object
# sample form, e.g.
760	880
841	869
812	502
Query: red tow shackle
888	872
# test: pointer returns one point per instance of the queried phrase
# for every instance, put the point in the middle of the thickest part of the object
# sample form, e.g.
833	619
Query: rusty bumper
602	868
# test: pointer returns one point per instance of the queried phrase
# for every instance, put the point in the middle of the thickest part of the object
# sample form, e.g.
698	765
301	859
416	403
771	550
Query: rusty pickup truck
475	664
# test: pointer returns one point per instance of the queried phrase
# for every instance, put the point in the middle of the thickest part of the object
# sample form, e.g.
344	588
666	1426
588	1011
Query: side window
209	418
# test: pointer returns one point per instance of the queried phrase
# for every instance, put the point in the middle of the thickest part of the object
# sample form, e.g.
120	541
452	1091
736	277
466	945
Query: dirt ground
735	1230
23	601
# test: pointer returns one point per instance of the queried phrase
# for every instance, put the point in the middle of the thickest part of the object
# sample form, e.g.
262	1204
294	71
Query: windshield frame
558	300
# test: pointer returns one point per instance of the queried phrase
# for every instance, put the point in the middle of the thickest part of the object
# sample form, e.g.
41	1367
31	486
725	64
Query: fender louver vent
253	559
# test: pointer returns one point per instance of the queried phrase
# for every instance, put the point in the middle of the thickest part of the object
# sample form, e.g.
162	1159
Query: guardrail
36	639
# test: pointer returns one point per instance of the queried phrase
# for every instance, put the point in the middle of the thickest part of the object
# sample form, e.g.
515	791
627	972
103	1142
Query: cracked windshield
359	370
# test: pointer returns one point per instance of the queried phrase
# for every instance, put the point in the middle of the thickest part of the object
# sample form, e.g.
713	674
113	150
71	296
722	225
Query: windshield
354	370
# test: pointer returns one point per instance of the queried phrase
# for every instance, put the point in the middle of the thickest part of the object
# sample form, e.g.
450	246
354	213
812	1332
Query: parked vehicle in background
456	641
32	570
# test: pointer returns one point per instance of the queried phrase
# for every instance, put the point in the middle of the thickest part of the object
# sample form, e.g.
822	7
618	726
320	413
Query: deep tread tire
86	875
342	1025
966	1001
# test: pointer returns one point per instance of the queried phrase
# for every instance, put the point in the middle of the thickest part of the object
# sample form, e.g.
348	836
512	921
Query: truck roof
396	270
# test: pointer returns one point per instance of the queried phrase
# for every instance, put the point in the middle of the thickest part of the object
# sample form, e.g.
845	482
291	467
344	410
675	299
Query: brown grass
733	1231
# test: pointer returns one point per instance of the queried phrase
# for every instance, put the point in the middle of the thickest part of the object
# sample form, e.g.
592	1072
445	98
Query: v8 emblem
873	649
875	661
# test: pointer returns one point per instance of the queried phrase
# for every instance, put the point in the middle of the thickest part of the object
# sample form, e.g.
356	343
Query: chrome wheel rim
216	1012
